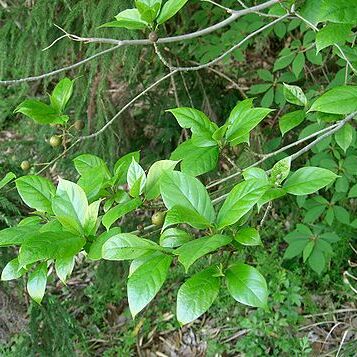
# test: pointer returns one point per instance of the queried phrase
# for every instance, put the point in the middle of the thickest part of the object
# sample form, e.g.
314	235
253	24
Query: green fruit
153	37
55	141
25	165
79	125
158	218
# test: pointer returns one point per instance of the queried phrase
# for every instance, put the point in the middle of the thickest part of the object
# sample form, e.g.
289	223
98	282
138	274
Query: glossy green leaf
195	249
170	9
196	295
95	251
36	283
180	214
126	246
240	201
129	19
247	285
61	94
64	267
149	9
179	189
280	171
331	34
255	173
121	167
49	245
294	95
244	124
7	179
339	100
119	211
152	187
12	270
70	206
341	11
146	281
248	236
37	192
196	160
344	137
136	179
16	235
86	162
91	218
291	120
308	180
298	64
174	237
41	112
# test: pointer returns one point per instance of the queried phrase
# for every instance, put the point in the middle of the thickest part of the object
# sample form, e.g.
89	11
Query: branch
141	42
67	68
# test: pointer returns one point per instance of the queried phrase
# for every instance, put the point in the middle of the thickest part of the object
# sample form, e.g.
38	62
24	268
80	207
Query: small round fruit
79	125
153	37
158	218
55	141
25	165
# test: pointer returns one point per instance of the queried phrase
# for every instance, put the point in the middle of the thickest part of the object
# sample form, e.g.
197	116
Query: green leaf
341	11
291	120
240	201
308	180
136	179
179	189
152	187
12	270
49	245
180	214
37	192
339	100
296	247
298	64
16	235
126	246
270	195
174	237
244	124
265	75
294	95
280	171
353	192
248	236
308	250
149	9
120	210
239	109
196	160
95	251
61	94
197	121
344	137
284	61
331	34
146	281
64	267
70	206
41	112
85	164
36	283
255	173
247	285
170	9
259	88
196	295
195	249
121	167
317	261
129	19
341	214
7	179
91	218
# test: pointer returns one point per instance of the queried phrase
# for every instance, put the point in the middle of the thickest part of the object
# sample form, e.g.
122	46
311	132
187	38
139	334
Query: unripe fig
55	141
25	165
79	125
153	37
158	218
